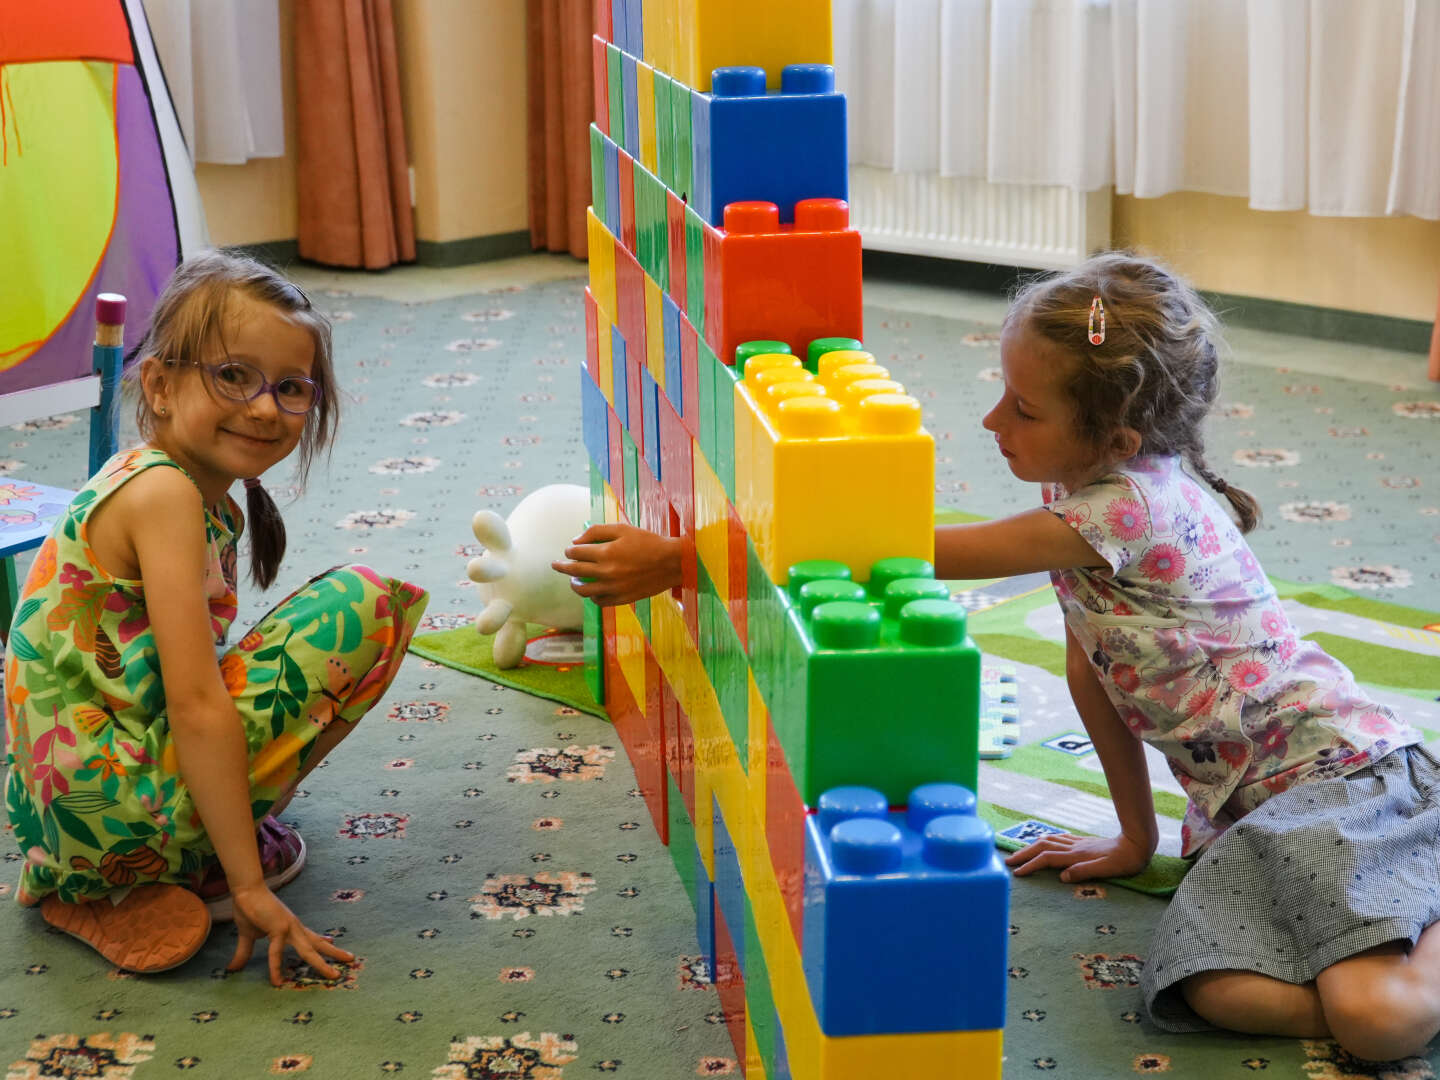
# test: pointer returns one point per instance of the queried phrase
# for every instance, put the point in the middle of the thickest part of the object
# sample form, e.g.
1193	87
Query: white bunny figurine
514	575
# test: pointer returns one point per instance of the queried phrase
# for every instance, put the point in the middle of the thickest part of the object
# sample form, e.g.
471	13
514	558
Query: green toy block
695	269
642	615
616	79
764	613
759	996
881	686
643	237
594	649
597	171
747	349
725	378
657	221
820	346
597	495
705	375
682	839
680	105
723	656
632	478
664	130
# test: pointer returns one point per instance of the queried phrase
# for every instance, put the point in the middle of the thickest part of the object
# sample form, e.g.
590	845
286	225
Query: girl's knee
1380	1017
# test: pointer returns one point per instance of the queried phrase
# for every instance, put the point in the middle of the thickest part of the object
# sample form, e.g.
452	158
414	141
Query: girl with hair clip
1313	813
145	770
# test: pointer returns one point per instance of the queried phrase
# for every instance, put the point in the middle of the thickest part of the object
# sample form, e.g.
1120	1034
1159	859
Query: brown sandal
155	928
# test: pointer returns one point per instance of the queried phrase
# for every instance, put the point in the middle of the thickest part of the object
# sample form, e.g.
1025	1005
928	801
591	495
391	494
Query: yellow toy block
654	331
630	650
817	477
659	30
612	505
645	99
602	264
760	33
712	524
605	365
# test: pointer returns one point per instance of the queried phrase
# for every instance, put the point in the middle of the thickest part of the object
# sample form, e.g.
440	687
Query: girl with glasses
146	770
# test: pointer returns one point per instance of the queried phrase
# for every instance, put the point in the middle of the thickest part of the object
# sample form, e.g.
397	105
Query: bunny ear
490	529
486	568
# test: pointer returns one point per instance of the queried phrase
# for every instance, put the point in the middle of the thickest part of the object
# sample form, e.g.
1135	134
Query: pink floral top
1193	647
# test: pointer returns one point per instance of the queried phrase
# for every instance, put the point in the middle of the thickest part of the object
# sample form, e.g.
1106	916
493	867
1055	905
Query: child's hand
259	913
619	564
1082	857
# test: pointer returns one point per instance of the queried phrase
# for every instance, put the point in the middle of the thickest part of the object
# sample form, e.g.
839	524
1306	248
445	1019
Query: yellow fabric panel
58	191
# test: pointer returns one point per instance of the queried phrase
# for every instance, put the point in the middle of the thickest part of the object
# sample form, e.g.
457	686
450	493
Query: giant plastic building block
811	454
794	282
783	147
757	33
886	893
854	663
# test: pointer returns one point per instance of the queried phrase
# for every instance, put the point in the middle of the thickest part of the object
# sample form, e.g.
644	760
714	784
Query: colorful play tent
97	190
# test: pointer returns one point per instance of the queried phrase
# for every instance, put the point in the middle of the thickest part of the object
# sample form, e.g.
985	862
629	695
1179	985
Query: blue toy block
612	188
704	914
635	28
595	423
781	148
630	94
674	371
650	420
886	893
729	886
618	377
620	23
780	1069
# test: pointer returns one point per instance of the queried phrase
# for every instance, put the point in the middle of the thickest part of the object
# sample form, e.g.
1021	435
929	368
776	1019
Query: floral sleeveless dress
95	794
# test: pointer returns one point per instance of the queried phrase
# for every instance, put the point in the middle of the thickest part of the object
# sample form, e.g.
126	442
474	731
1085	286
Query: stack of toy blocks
802	713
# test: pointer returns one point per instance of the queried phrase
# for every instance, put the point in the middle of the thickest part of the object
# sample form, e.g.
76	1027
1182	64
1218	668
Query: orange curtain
558	108
354	182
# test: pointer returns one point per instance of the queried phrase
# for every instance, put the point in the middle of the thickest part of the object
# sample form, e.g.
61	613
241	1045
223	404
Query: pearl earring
161	410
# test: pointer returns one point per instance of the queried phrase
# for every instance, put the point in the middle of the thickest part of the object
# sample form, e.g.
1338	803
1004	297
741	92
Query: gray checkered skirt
1316	874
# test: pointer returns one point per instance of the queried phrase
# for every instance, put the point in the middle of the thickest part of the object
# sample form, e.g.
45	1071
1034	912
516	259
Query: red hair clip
1097	337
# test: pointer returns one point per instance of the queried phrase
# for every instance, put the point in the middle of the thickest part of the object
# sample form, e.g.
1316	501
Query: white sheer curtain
222	65
1327	105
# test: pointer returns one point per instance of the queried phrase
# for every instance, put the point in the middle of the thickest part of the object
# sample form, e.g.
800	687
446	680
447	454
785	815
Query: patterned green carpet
484	851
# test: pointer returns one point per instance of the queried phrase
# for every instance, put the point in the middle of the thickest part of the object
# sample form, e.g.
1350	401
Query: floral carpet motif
461	817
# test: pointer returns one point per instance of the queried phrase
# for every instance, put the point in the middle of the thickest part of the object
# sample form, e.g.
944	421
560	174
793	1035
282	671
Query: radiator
1005	224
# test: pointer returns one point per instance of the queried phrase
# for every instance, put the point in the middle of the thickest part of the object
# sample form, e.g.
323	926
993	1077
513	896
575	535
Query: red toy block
690	376
600	63
617	472
738	579
592	335
730	982
785	830
787	283
654	506
627	206
603	20
675	224
677	468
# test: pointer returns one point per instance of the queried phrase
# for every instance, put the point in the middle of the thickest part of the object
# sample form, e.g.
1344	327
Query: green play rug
1002	630
466	650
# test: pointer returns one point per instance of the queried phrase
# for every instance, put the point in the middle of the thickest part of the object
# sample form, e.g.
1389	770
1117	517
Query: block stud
884	571
930	801
867	846
740	81
807	79
809	417
889	414
802	573
815	593
937	624
905	590
843	803
954	842
830	360
845	624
